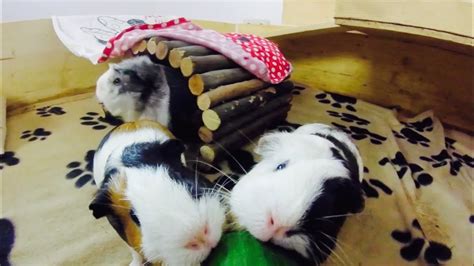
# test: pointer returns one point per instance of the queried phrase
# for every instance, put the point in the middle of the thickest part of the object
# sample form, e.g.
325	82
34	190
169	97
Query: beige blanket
418	183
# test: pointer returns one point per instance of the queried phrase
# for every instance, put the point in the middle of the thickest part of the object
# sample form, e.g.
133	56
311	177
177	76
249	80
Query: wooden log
177	54
208	136
213	118
200	64
153	43
231	91
199	83
163	48
139	47
210	152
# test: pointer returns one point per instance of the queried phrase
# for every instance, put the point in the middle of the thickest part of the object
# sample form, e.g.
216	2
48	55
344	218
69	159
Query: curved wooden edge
406	29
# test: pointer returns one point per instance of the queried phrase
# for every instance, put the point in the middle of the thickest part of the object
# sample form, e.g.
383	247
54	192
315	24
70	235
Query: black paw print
49	111
98	122
399	162
420	177
449	142
337	100
371	192
435	253
84	173
8	159
287	127
412	136
421	126
7	236
359	133
297	90
36	134
456	161
349	118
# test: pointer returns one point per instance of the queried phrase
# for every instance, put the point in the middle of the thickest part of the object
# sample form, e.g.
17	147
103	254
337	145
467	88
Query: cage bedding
418	185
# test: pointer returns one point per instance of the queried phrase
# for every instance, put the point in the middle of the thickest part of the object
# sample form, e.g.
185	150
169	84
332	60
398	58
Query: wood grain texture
388	72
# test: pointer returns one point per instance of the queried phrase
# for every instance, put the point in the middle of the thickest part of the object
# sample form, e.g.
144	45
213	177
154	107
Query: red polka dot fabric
266	51
257	55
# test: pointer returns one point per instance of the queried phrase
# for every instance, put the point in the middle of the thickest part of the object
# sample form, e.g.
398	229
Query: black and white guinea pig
301	191
161	209
139	89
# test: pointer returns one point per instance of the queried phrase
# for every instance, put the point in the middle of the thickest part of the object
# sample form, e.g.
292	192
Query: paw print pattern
425	125
449	142
49	111
412	136
420	177
98	122
359	133
456	161
368	187
349	118
435	253
8	159
297	90
371	192
399	162
7	236
37	134
83	174
337	100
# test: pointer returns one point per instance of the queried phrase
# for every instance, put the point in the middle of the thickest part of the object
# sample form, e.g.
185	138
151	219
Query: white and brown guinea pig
162	210
301	191
139	89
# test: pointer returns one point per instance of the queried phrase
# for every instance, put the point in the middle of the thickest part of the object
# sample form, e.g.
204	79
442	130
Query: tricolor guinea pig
139	89
165	212
301	191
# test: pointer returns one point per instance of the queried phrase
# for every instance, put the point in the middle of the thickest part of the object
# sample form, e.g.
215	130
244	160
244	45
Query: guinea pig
301	191
165	212
137	88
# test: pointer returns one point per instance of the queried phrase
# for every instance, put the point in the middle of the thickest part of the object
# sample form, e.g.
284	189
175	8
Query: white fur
123	105
287	194
117	143
170	217
337	134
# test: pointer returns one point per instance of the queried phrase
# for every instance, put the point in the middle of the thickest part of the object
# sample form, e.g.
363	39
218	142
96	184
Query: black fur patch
325	216
350	161
168	153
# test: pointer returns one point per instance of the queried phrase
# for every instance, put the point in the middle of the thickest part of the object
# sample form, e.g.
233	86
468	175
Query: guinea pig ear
348	194
100	206
268	144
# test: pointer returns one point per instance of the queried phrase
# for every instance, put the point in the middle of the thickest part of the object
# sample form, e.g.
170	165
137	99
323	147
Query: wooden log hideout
234	105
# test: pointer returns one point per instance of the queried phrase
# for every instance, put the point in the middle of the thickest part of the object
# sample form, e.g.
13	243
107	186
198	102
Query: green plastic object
242	249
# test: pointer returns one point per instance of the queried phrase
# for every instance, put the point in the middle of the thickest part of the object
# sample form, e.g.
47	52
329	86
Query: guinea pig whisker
195	179
332	251
245	136
232	156
339	242
319	249
342	215
215	168
335	241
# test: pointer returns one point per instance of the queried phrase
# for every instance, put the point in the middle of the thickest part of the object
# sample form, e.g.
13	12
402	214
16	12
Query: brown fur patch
121	208
133	126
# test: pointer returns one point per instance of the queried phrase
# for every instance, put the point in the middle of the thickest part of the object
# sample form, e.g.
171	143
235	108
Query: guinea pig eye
281	166
116	81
